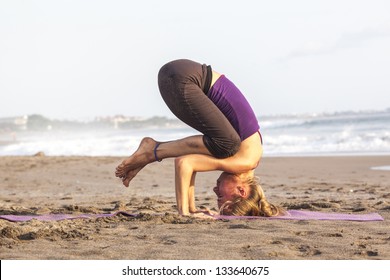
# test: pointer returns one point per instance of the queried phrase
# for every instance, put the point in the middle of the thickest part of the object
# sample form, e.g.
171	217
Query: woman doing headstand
230	141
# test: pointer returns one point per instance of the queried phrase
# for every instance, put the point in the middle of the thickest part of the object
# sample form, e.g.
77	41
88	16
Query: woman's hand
204	214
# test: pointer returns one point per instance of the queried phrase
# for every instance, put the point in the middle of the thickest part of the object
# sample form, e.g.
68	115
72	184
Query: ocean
341	133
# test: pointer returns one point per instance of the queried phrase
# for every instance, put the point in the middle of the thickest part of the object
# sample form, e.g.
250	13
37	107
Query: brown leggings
183	85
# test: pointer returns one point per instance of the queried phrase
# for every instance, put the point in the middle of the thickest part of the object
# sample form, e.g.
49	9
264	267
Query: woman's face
226	188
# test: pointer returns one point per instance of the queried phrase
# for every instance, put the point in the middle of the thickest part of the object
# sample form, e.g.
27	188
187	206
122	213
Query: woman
210	103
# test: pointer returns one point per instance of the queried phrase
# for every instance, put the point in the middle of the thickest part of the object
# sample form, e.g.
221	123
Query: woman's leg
181	86
147	153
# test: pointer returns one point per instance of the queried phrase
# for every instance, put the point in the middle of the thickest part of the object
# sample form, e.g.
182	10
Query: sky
82	59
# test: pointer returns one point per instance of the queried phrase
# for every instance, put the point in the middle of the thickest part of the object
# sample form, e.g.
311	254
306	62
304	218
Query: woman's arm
191	194
183	177
246	159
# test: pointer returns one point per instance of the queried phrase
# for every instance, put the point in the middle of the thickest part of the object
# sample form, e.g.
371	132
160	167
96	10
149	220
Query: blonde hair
255	204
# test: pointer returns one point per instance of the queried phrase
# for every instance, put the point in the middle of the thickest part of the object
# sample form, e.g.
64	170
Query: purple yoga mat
312	215
59	217
290	215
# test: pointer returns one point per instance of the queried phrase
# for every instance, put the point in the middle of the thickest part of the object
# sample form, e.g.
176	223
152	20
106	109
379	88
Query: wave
344	142
365	132
307	120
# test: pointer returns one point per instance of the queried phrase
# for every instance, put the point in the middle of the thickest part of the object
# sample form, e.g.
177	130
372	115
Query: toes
119	172
119	168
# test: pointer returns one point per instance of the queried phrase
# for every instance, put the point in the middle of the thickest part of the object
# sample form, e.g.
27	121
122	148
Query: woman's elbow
182	164
248	165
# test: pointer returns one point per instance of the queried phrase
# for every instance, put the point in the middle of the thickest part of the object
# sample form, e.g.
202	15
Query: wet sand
74	185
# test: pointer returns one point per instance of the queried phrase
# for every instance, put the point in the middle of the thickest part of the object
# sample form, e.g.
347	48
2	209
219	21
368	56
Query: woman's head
242	195
229	186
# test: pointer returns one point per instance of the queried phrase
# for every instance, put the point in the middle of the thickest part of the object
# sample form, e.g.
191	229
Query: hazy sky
72	59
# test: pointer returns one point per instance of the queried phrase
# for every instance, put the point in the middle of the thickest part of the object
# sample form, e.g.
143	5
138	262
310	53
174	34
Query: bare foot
141	157
130	175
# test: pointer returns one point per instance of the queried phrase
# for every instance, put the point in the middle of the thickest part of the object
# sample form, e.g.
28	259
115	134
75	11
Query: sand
42	185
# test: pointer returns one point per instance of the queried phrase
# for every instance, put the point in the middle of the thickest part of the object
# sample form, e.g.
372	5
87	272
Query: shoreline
86	184
286	155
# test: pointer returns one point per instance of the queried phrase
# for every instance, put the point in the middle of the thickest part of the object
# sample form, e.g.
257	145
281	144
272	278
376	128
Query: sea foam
317	134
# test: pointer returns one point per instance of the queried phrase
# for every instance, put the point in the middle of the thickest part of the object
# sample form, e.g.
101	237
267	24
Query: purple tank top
232	103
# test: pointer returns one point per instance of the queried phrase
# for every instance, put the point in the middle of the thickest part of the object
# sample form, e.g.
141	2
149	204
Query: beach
85	184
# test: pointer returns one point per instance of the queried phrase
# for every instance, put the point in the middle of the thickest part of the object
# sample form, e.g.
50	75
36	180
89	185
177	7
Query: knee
223	148
231	148
166	74
162	77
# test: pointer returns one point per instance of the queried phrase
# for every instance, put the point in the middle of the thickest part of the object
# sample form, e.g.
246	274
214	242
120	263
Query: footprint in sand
240	226
305	250
168	241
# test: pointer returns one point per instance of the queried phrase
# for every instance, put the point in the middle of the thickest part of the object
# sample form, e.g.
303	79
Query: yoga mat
290	215
59	217
312	215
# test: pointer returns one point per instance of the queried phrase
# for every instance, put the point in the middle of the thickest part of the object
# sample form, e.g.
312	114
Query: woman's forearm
184	186
191	194
182	196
